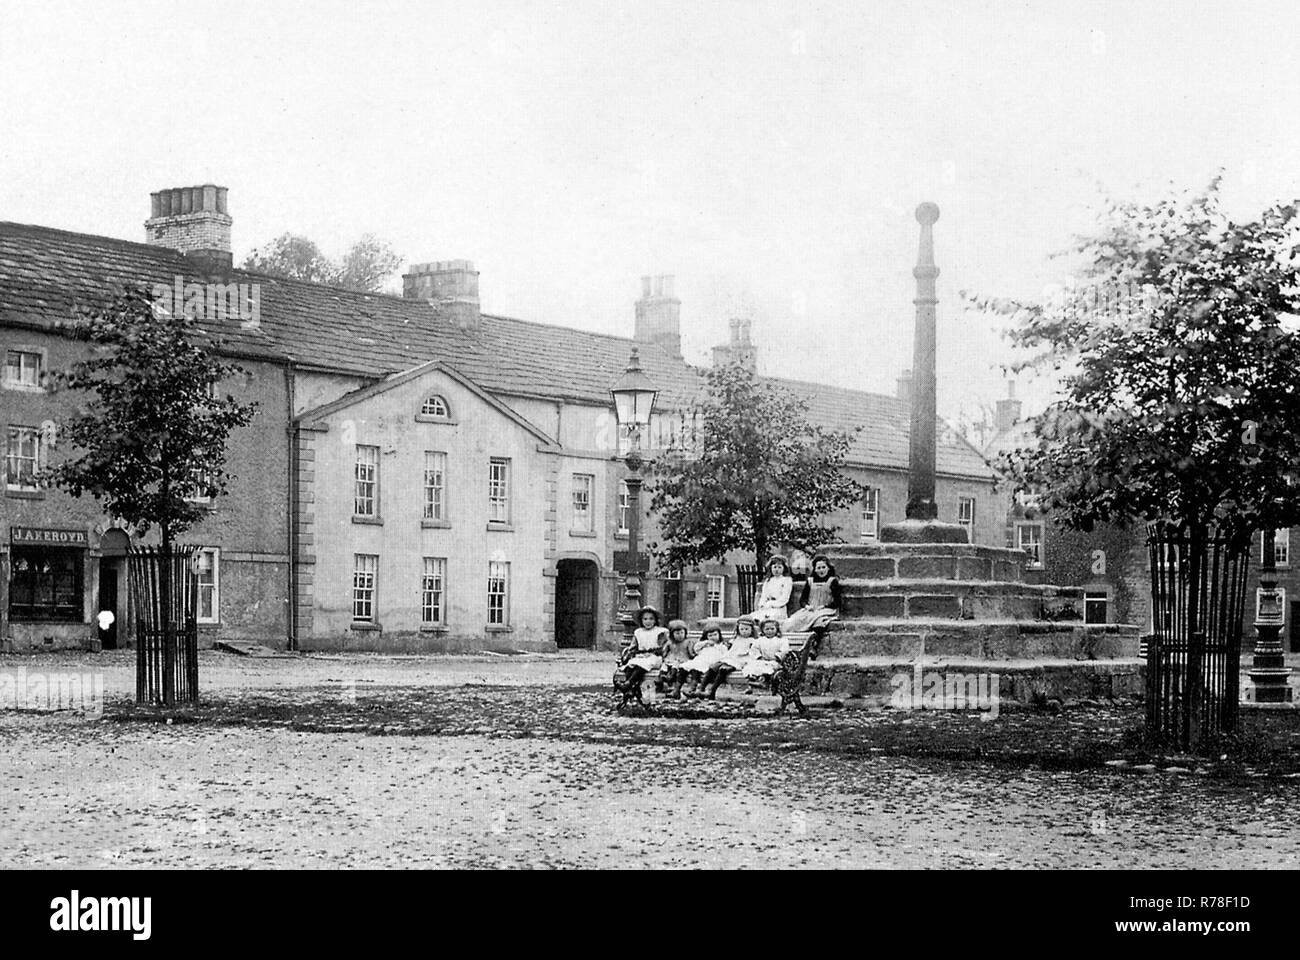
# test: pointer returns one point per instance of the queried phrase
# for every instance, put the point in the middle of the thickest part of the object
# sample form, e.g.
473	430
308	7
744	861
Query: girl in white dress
736	657
774	596
766	652
708	650
646	650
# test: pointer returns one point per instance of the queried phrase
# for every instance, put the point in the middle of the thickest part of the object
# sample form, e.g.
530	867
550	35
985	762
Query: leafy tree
751	472
155	431
1180	372
365	266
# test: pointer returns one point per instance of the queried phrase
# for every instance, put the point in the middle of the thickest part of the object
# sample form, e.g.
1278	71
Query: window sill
371	521
439	629
435	524
499	628
583	533
19	494
501	527
363	627
428	418
621	535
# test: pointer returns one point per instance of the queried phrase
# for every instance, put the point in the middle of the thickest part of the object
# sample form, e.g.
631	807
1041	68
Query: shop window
46	584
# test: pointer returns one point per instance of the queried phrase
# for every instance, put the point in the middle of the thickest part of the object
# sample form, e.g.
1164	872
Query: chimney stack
739	349
1008	410
449	285
193	221
658	315
905	386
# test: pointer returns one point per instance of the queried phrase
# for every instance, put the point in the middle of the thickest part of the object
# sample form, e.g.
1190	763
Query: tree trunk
761	548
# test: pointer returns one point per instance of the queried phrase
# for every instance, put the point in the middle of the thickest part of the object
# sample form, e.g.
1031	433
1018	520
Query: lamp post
634	400
1268	672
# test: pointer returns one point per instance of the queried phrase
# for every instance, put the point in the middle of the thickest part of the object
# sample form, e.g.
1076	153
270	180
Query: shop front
48	594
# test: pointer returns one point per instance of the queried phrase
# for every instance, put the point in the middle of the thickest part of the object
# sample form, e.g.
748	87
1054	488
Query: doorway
113	549
672	596
575	604
107	627
1295	631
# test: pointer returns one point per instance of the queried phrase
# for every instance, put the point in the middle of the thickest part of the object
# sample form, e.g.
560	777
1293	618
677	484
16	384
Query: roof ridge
317	285
833	386
118	241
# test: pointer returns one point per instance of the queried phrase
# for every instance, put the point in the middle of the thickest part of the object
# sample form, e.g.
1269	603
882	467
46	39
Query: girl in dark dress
820	602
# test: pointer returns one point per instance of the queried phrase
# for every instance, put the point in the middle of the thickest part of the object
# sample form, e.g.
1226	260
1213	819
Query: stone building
1112	563
419	474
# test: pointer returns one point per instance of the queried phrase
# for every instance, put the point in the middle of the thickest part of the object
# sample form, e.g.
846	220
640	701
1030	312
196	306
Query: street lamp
1268	671
634	400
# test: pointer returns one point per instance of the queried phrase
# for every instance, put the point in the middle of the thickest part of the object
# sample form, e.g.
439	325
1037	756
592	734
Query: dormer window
435	406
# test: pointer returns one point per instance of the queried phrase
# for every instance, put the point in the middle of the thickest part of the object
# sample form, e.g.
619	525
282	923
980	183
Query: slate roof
45	274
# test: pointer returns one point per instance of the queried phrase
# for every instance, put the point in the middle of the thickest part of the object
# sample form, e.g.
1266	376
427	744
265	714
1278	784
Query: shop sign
47	537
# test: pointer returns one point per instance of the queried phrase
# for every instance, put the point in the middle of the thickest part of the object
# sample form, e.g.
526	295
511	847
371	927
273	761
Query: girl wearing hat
646	650
774	595
820	602
708	650
736	657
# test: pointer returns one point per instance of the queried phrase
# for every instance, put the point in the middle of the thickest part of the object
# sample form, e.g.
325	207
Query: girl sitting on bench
646	652
676	653
708	650
767	651
737	656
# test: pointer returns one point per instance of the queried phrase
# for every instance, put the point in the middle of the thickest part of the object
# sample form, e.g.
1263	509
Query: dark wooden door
575	604
1295	630
672	599
107	601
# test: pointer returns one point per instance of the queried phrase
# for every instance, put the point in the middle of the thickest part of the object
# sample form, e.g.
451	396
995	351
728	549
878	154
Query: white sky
769	155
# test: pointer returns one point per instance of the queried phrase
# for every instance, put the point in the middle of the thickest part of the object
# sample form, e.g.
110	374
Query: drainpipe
292	500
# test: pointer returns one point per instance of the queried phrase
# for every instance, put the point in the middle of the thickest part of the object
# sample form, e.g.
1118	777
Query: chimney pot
192	221
658	314
905	386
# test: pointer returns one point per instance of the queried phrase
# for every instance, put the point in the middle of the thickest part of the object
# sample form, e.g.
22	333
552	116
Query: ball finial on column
927	213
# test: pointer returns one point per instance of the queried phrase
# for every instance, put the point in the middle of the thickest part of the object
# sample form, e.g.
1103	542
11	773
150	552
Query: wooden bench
785	682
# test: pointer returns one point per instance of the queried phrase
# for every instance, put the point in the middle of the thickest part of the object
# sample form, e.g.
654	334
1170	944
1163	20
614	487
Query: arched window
435	406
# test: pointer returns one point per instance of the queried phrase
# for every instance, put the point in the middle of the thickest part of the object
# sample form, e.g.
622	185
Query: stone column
921	525
920	480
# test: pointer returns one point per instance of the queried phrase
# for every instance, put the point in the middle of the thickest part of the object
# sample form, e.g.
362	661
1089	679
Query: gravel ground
520	761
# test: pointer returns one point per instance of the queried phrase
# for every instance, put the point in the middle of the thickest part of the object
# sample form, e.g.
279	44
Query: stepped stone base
960	599
1023	681
914	639
926	561
924	531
